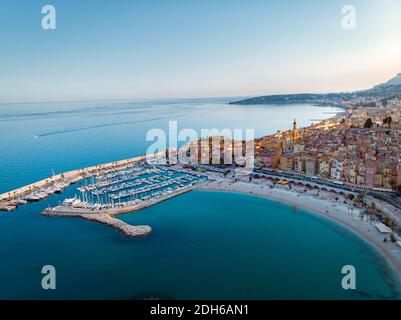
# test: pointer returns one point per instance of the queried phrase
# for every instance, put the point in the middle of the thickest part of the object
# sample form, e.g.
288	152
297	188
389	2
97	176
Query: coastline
332	210
336	212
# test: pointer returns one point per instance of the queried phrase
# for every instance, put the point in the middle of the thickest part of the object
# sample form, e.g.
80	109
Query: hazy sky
194	48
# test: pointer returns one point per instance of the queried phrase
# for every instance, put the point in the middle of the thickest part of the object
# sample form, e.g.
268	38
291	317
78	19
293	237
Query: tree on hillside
368	124
387	121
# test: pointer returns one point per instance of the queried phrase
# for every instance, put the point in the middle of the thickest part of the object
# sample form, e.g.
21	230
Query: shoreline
336	212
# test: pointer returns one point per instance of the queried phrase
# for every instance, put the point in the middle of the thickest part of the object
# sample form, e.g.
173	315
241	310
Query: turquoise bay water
203	245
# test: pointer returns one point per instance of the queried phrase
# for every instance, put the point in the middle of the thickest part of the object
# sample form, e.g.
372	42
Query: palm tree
368	124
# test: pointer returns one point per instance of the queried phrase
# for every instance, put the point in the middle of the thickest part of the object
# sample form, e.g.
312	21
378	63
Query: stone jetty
103	218
106	216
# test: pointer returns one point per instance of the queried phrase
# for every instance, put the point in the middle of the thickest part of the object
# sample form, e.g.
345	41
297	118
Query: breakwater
123	227
106	216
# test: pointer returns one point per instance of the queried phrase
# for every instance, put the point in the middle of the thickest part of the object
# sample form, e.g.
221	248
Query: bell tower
294	131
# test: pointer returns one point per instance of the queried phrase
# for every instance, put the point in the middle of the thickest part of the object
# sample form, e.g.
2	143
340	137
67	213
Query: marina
56	183
121	187
129	188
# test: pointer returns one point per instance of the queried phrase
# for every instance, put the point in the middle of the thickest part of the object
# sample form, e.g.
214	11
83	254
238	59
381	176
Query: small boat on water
60	186
21	201
32	197
68	202
37	195
76	179
50	190
7	208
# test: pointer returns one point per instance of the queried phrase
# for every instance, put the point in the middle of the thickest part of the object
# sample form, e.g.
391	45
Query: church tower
295	134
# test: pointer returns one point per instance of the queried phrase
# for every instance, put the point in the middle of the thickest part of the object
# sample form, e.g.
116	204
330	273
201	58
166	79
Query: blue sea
204	244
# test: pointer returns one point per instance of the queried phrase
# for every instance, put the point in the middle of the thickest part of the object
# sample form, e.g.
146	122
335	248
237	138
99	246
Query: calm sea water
203	245
39	138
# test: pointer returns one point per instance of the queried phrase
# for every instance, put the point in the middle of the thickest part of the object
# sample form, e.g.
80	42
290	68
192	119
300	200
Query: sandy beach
324	204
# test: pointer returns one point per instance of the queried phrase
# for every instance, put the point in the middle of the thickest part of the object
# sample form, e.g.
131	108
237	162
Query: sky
125	49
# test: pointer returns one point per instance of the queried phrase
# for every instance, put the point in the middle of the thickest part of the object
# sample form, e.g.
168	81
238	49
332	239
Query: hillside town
359	147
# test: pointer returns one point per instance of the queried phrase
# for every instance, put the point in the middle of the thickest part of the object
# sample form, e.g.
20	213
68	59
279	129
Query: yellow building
324	168
351	173
378	182
286	163
360	180
299	148
310	167
300	165
399	174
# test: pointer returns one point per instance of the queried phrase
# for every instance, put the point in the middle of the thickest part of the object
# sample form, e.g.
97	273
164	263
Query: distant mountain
379	93
396	81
